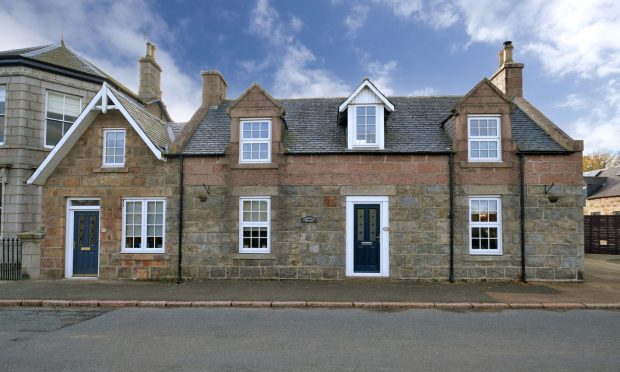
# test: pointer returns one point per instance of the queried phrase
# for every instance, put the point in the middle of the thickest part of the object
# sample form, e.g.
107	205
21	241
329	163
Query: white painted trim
104	163
59	148
384	225
498	224
243	141
352	129
87	116
143	232
367	84
497	139
136	127
254	224
69	235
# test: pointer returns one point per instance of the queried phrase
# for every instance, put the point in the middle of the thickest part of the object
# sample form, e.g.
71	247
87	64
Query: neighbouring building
42	91
321	188
603	188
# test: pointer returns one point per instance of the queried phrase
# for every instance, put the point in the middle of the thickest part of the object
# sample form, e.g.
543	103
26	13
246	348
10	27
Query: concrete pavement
601	289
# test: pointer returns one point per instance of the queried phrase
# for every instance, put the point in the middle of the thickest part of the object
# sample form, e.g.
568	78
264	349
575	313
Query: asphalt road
139	339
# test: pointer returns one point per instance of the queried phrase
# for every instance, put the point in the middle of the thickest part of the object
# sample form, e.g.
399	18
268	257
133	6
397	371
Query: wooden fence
602	234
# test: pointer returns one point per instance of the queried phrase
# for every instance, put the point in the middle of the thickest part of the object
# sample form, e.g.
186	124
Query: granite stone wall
23	148
80	175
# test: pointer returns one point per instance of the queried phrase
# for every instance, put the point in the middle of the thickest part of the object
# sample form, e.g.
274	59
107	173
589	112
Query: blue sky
324	48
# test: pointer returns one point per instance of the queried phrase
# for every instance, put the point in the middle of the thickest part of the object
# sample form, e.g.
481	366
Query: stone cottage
320	188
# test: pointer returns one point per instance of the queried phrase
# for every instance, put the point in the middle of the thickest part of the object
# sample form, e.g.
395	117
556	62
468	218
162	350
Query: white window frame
105	148
143	234
497	139
243	141
380	124
3	128
243	224
2	192
45	118
498	225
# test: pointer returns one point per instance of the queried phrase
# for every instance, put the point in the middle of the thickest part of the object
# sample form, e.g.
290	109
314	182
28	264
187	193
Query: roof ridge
132	101
42	50
32	49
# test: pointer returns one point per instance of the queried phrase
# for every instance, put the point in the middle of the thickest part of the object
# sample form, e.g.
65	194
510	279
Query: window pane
72	107
55	104
475	243
53	133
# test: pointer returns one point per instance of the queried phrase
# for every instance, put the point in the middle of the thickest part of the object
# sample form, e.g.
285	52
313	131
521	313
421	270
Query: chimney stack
213	88
150	75
509	76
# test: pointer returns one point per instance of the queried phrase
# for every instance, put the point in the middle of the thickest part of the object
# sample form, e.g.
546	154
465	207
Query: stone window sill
254	256
490	164
486	258
111	170
144	256
254	166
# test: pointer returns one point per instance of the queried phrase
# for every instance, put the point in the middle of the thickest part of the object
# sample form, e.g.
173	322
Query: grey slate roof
313	126
530	137
154	128
610	180
212	134
62	56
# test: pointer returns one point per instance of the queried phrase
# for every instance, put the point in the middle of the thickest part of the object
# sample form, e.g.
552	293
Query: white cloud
296	24
427	91
295	75
356	19
573	102
403	8
380	73
568	36
92	29
601	126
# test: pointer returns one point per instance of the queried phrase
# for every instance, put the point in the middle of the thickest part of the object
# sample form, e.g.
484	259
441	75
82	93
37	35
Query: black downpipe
451	214
180	260
522	215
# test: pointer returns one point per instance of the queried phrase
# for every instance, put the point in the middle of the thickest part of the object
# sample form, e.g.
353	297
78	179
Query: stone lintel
370	190
255	191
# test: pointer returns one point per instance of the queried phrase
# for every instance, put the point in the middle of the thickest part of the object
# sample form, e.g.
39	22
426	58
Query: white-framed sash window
144	226
114	147
255	141
60	113
254	224
484	138
485	225
2	113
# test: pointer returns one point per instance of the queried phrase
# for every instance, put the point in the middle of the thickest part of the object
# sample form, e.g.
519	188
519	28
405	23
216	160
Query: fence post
31	254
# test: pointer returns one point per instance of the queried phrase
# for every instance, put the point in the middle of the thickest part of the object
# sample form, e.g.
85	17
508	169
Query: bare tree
600	159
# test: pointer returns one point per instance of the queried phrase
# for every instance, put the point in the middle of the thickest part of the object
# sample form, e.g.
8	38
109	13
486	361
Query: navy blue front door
367	238
85	243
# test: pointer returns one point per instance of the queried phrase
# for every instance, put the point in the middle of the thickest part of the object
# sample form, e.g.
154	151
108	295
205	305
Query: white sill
112	165
143	251
479	254
253	251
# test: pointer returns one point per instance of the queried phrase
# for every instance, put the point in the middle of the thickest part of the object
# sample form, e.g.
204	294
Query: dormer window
255	138
365	117
365	125
484	138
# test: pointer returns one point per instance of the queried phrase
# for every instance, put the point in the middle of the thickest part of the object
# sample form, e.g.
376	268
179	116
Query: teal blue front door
85	243
367	238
